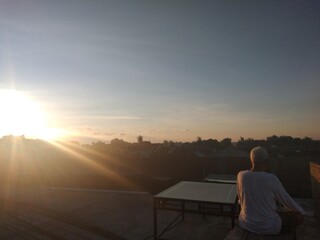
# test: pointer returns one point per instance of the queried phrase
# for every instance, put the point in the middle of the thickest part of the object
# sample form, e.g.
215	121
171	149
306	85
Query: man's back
258	192
257	199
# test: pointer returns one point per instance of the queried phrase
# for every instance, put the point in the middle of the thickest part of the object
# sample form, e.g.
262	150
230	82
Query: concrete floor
130	215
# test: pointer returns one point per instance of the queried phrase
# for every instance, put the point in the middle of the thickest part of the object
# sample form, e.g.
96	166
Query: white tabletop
201	191
221	178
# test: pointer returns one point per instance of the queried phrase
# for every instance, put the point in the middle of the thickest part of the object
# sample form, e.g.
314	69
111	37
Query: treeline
283	145
20	147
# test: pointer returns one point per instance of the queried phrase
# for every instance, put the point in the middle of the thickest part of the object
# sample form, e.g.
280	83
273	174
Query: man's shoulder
243	172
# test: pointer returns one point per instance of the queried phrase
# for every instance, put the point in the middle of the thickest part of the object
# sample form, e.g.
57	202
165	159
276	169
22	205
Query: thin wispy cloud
105	117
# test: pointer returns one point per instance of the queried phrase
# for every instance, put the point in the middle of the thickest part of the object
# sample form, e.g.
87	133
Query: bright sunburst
20	115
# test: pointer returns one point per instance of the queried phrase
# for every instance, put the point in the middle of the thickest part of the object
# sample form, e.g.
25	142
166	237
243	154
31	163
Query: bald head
258	156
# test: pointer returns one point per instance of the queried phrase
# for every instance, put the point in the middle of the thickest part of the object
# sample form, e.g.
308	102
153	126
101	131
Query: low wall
315	180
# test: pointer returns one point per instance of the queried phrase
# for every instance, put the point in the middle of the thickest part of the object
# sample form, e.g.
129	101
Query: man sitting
258	192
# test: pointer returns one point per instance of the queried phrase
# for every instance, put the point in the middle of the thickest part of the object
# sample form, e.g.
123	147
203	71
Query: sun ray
10	173
92	163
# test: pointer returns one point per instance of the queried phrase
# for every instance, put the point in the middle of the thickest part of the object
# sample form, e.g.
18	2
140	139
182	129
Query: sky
164	69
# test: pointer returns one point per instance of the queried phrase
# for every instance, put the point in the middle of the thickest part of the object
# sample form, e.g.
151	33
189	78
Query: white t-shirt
258	192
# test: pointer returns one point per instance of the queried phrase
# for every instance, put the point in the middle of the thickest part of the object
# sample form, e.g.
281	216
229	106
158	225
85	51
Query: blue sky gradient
166	69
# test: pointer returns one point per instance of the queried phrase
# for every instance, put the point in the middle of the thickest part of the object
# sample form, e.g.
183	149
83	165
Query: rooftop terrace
88	214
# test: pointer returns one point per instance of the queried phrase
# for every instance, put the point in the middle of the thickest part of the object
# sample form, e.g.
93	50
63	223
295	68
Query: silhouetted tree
119	145
249	143
273	140
140	139
226	142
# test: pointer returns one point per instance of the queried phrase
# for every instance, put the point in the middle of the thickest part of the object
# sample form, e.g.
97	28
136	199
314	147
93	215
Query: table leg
183	210
233	216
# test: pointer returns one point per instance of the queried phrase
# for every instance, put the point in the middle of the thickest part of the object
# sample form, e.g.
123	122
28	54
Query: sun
21	115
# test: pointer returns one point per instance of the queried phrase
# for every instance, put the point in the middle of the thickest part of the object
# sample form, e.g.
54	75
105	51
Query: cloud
106	117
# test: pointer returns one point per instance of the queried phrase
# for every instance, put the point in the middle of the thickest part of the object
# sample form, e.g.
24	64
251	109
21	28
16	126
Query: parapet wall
157	174
315	180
